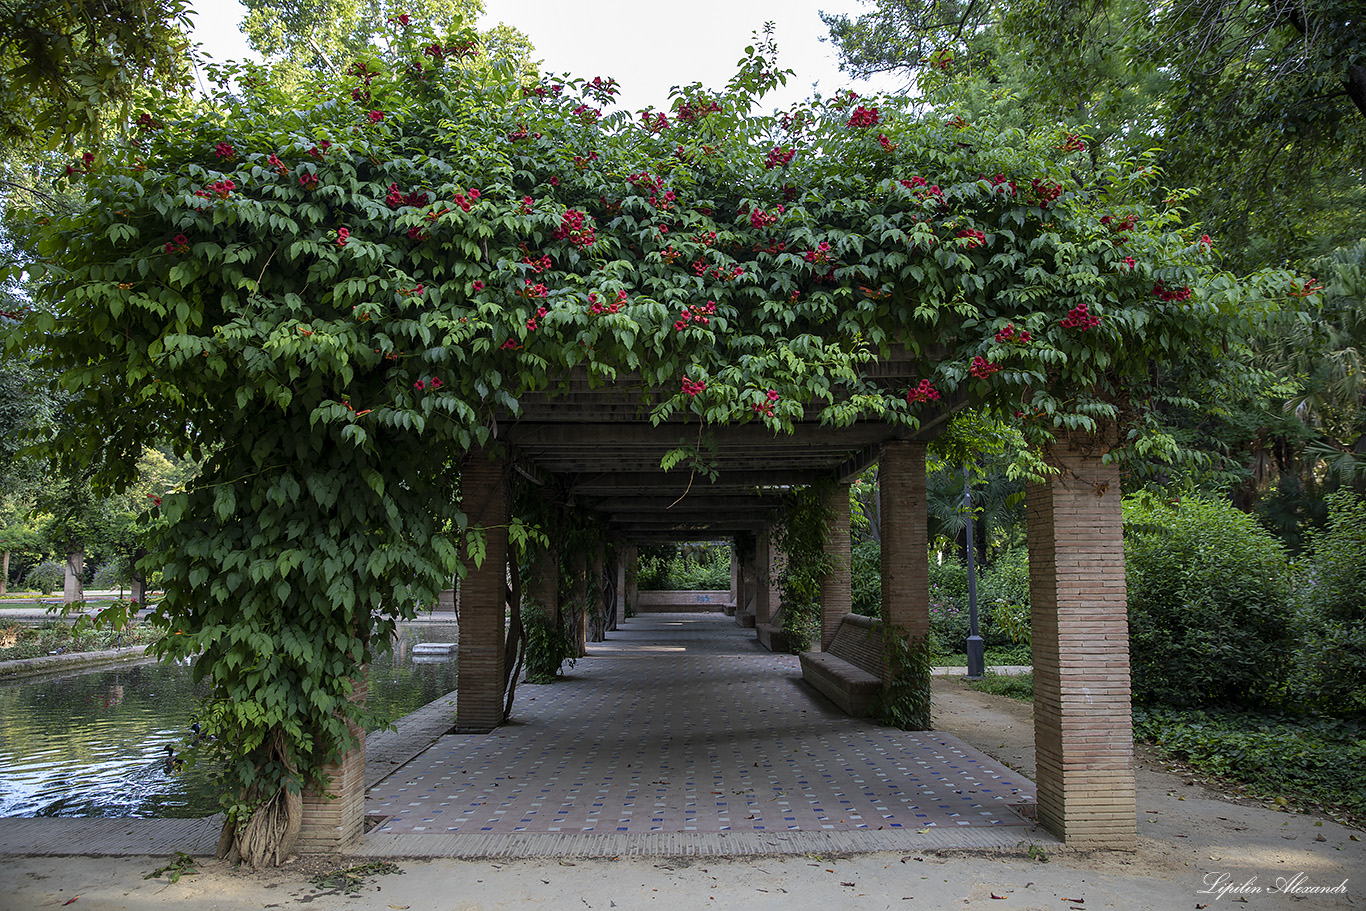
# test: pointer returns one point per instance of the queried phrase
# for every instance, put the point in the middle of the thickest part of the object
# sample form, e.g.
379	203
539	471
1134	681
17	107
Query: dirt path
1184	826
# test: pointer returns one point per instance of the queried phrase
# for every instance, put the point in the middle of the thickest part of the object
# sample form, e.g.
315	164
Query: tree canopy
1262	106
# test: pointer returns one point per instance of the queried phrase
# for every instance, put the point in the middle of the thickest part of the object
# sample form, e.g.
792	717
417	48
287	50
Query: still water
93	744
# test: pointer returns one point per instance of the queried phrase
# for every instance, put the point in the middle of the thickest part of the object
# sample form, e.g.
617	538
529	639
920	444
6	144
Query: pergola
598	444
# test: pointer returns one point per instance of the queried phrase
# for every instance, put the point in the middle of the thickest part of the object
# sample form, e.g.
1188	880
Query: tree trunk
268	836
4	573
72	589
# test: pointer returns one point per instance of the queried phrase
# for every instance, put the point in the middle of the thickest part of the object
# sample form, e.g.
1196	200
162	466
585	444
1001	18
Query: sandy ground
1198	848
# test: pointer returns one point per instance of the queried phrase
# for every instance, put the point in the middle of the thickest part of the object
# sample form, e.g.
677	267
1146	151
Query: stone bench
771	636
849	672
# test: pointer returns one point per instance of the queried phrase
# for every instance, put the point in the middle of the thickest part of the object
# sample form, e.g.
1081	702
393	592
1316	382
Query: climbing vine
800	537
329	299
904	700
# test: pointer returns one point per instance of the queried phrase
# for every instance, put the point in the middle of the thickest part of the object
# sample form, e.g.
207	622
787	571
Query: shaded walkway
681	734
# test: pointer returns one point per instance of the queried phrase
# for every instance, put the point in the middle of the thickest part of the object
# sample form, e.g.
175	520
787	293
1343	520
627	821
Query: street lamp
976	651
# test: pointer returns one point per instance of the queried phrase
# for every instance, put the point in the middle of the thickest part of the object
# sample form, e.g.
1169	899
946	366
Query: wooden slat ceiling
599	446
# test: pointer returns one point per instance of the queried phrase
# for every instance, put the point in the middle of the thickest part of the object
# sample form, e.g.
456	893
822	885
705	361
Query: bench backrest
859	641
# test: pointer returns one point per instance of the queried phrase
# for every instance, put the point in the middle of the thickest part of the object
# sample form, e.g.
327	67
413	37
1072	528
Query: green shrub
1331	584
1322	759
1006	579
678	573
46	577
866	572
949	621
1210	615
548	646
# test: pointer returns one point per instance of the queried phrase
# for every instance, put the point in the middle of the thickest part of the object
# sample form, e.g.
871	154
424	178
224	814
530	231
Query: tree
1260	105
65	64
302	37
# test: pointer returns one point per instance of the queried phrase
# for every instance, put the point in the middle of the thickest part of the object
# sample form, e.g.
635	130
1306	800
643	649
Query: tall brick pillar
737	582
905	537
619	609
334	819
632	576
836	586
1083	734
597	602
487	500
579	605
777	562
763	589
544	585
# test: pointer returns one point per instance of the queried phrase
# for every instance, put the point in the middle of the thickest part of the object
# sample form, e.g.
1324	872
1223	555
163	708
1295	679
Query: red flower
478	285
778	157
342	235
693	389
419	385
308	180
1079	317
375	116
973	237
982	368
225	151
864	117
924	392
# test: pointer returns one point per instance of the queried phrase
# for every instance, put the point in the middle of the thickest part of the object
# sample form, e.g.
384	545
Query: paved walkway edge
700	844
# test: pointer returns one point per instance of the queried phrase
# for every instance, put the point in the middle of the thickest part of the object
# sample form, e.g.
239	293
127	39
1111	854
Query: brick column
632	576
579	605
487	500
334	819
763	565
619	609
777	562
544	585
737	582
1083	734
836	586
597	605
905	537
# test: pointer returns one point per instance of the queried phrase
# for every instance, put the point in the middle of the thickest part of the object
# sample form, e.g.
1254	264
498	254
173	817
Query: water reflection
93	744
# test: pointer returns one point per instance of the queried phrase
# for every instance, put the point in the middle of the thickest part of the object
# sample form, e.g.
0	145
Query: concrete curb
21	668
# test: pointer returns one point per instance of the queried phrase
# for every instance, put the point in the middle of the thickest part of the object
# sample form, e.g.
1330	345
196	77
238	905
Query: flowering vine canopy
330	298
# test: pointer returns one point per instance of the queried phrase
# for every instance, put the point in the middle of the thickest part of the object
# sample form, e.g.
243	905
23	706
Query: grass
1278	757
995	655
1018	686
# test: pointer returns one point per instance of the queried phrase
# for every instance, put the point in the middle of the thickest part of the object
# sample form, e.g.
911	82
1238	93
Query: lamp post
976	651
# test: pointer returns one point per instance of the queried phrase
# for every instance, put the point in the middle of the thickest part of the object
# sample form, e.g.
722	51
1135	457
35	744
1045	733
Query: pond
93	743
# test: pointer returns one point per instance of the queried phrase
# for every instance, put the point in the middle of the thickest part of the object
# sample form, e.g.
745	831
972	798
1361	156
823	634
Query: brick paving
681	723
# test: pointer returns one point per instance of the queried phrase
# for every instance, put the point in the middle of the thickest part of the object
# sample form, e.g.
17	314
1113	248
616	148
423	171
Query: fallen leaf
994	895
1319	838
1075	901
846	884
399	907
70	900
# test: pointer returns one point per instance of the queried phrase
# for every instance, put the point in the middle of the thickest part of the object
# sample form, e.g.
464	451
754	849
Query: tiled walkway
681	723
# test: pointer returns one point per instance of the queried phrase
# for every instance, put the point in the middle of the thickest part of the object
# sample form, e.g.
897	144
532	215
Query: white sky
647	47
